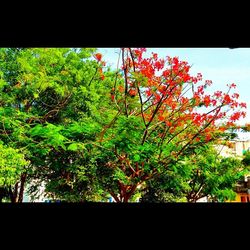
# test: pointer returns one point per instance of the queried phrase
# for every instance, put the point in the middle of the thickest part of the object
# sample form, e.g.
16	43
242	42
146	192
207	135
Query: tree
205	174
246	159
12	166
162	115
48	99
89	132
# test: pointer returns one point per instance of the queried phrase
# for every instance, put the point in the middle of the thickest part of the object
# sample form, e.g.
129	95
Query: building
234	148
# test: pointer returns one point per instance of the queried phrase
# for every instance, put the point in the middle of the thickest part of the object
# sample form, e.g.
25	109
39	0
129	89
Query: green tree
89	132
205	174
12	166
48	108
162	115
246	159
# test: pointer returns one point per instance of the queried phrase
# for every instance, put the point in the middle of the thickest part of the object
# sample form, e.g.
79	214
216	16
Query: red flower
155	56
161	118
121	88
227	99
199	76
101	74
243	105
214	102
166	73
235	95
208	82
157	97
233	85
236	116
132	92
200	90
148	92
208	137
243	114
218	94
197	119
207	100
98	57
176	60
186	77
168	123
159	65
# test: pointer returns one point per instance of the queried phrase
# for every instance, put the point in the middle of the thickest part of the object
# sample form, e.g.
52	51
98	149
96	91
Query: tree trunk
115	196
126	192
3	193
1	196
23	179
13	195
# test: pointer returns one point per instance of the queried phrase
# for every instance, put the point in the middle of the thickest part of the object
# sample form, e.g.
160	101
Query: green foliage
75	146
59	123
48	108
246	159
201	175
12	165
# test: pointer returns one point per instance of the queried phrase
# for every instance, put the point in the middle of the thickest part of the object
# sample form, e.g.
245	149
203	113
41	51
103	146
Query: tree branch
126	82
138	89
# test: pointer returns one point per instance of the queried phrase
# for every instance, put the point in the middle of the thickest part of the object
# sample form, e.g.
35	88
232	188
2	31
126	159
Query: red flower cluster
98	57
165	95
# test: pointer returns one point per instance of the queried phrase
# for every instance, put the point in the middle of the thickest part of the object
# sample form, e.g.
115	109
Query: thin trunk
1	197
23	179
13	195
115	197
131	192
2	194
126	82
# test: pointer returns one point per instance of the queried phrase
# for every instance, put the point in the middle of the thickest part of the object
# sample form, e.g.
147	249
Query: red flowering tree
162	114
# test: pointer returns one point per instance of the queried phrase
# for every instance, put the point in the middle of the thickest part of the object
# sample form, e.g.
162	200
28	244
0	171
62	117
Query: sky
221	65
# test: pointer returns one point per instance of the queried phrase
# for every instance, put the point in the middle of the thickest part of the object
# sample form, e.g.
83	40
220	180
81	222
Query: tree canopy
203	175
89	132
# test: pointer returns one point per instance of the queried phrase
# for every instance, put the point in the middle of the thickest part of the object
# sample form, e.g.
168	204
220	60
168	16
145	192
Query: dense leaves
206	175
12	164
163	114
246	159
88	132
48	108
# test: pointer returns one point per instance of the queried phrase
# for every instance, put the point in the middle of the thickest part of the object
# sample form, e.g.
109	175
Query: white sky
221	65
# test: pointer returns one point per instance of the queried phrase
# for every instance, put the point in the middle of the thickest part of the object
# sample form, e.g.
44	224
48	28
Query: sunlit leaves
174	112
75	146
89	129
12	164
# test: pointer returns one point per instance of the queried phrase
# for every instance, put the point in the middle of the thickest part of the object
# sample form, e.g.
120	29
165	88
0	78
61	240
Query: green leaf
75	146
136	157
